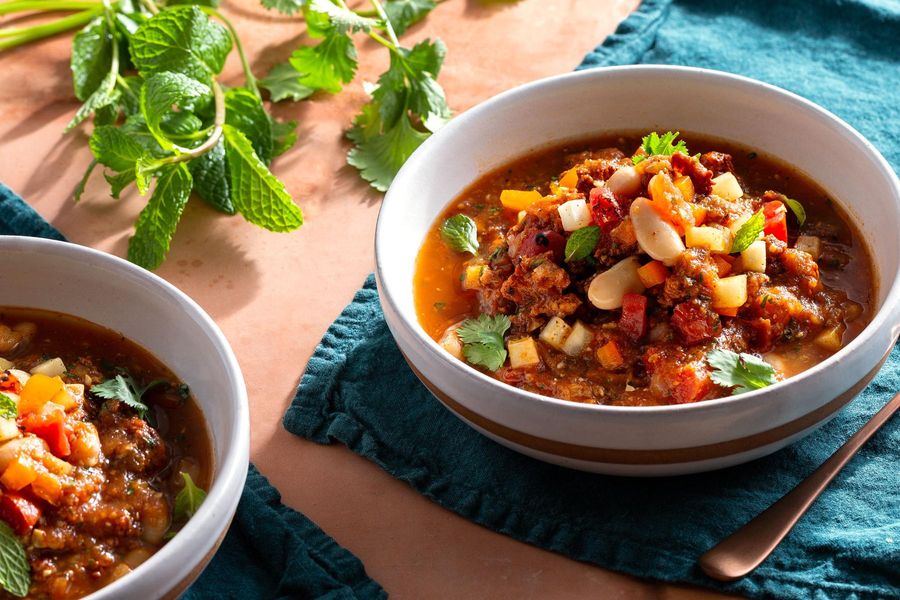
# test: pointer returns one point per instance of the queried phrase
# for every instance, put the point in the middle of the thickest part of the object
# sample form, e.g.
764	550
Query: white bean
608	288
625	182
656	236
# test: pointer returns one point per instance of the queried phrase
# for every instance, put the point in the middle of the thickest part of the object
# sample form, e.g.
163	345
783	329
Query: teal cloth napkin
358	391
270	550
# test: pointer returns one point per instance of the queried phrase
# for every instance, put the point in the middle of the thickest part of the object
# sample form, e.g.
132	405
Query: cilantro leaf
163	91
654	144
15	572
8	407
157	222
582	243
182	40
283	81
743	372
91	57
286	7
244	111
328	65
460	233
343	19
255	192
210	175
404	13
380	156
748	232
188	499
797	209
483	340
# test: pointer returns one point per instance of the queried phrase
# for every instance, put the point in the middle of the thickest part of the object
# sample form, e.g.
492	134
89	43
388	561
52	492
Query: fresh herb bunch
147	72
407	103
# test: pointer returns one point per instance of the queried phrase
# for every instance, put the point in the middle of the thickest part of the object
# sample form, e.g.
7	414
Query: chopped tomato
694	323
605	208
10	383
776	220
690	385
19	512
633	321
50	427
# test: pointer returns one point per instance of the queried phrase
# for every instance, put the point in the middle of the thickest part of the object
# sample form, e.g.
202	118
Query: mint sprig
15	572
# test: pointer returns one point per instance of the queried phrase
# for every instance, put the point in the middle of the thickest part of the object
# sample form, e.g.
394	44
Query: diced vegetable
452	344
754	257
71	397
776	219
39	390
521	216
10	382
47	487
5	365
668	201
722	266
653	273
19	473
569	179
555	332
609	356
686	186
715	240
810	244
625	182
605	209
29	445
634	322
738	222
523	352
51	368
831	339
578	339
472	277
574	214
693	322
727	312
19	512
726	186
9	429
519	199
607	289
699	214
50	426
730	292
656	236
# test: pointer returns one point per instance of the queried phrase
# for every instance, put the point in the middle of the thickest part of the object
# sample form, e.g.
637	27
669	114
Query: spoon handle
745	549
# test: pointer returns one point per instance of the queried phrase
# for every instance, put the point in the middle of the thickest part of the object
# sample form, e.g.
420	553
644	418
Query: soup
104	454
630	271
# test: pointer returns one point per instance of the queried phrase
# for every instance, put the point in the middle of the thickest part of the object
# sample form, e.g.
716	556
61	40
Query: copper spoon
745	549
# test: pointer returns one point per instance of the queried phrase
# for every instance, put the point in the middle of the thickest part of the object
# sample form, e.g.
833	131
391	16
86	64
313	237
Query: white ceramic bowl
146	309
657	440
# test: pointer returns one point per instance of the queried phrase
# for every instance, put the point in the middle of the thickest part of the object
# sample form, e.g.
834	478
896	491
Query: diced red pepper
693	322
50	427
10	383
776	220
19	512
633	321
605	208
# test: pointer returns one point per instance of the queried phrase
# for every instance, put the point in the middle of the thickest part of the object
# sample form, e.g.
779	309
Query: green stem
151	6
186	154
245	64
44	5
23	35
388	28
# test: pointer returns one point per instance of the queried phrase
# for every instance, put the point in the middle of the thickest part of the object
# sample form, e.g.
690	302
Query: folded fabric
357	390
270	550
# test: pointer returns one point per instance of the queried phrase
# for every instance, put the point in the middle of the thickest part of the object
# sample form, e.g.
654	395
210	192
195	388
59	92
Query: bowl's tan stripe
659	456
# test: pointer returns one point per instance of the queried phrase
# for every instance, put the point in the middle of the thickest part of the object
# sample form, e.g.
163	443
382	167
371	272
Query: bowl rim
890	308
216	512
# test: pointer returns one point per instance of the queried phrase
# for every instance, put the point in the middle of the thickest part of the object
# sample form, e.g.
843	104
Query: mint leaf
157	222
482	339
244	111
284	136
283	82
181	40
105	95
210	174
114	148
163	91
655	144
379	156
180	124
404	13
748	232
743	372
342	19
797	209
15	573
460	233
255	192
286	7
188	499
8	407
91	57
582	243
79	189
328	65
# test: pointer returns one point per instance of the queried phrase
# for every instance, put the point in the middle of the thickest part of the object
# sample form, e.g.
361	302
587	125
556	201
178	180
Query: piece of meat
695	322
693	276
700	176
536	286
717	162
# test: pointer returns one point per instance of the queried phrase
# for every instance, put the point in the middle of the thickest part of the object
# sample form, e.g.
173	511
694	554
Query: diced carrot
19	473
699	214
47	487
609	356
653	273
727	312
19	512
723	266
686	186
569	179
39	390
518	199
51	427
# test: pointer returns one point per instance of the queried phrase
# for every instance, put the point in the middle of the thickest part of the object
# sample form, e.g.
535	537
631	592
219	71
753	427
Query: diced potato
811	244
730	292
523	352
699	214
754	257
569	179
5	365
555	333
738	222
580	337
574	214
452	344
8	429
726	186
717	241
51	368
831	339
472	277
518	199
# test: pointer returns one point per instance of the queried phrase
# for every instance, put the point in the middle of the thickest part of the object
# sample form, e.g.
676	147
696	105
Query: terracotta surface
275	294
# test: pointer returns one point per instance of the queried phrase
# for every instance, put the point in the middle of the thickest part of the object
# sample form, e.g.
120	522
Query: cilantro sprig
482	340
124	388
742	372
655	144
